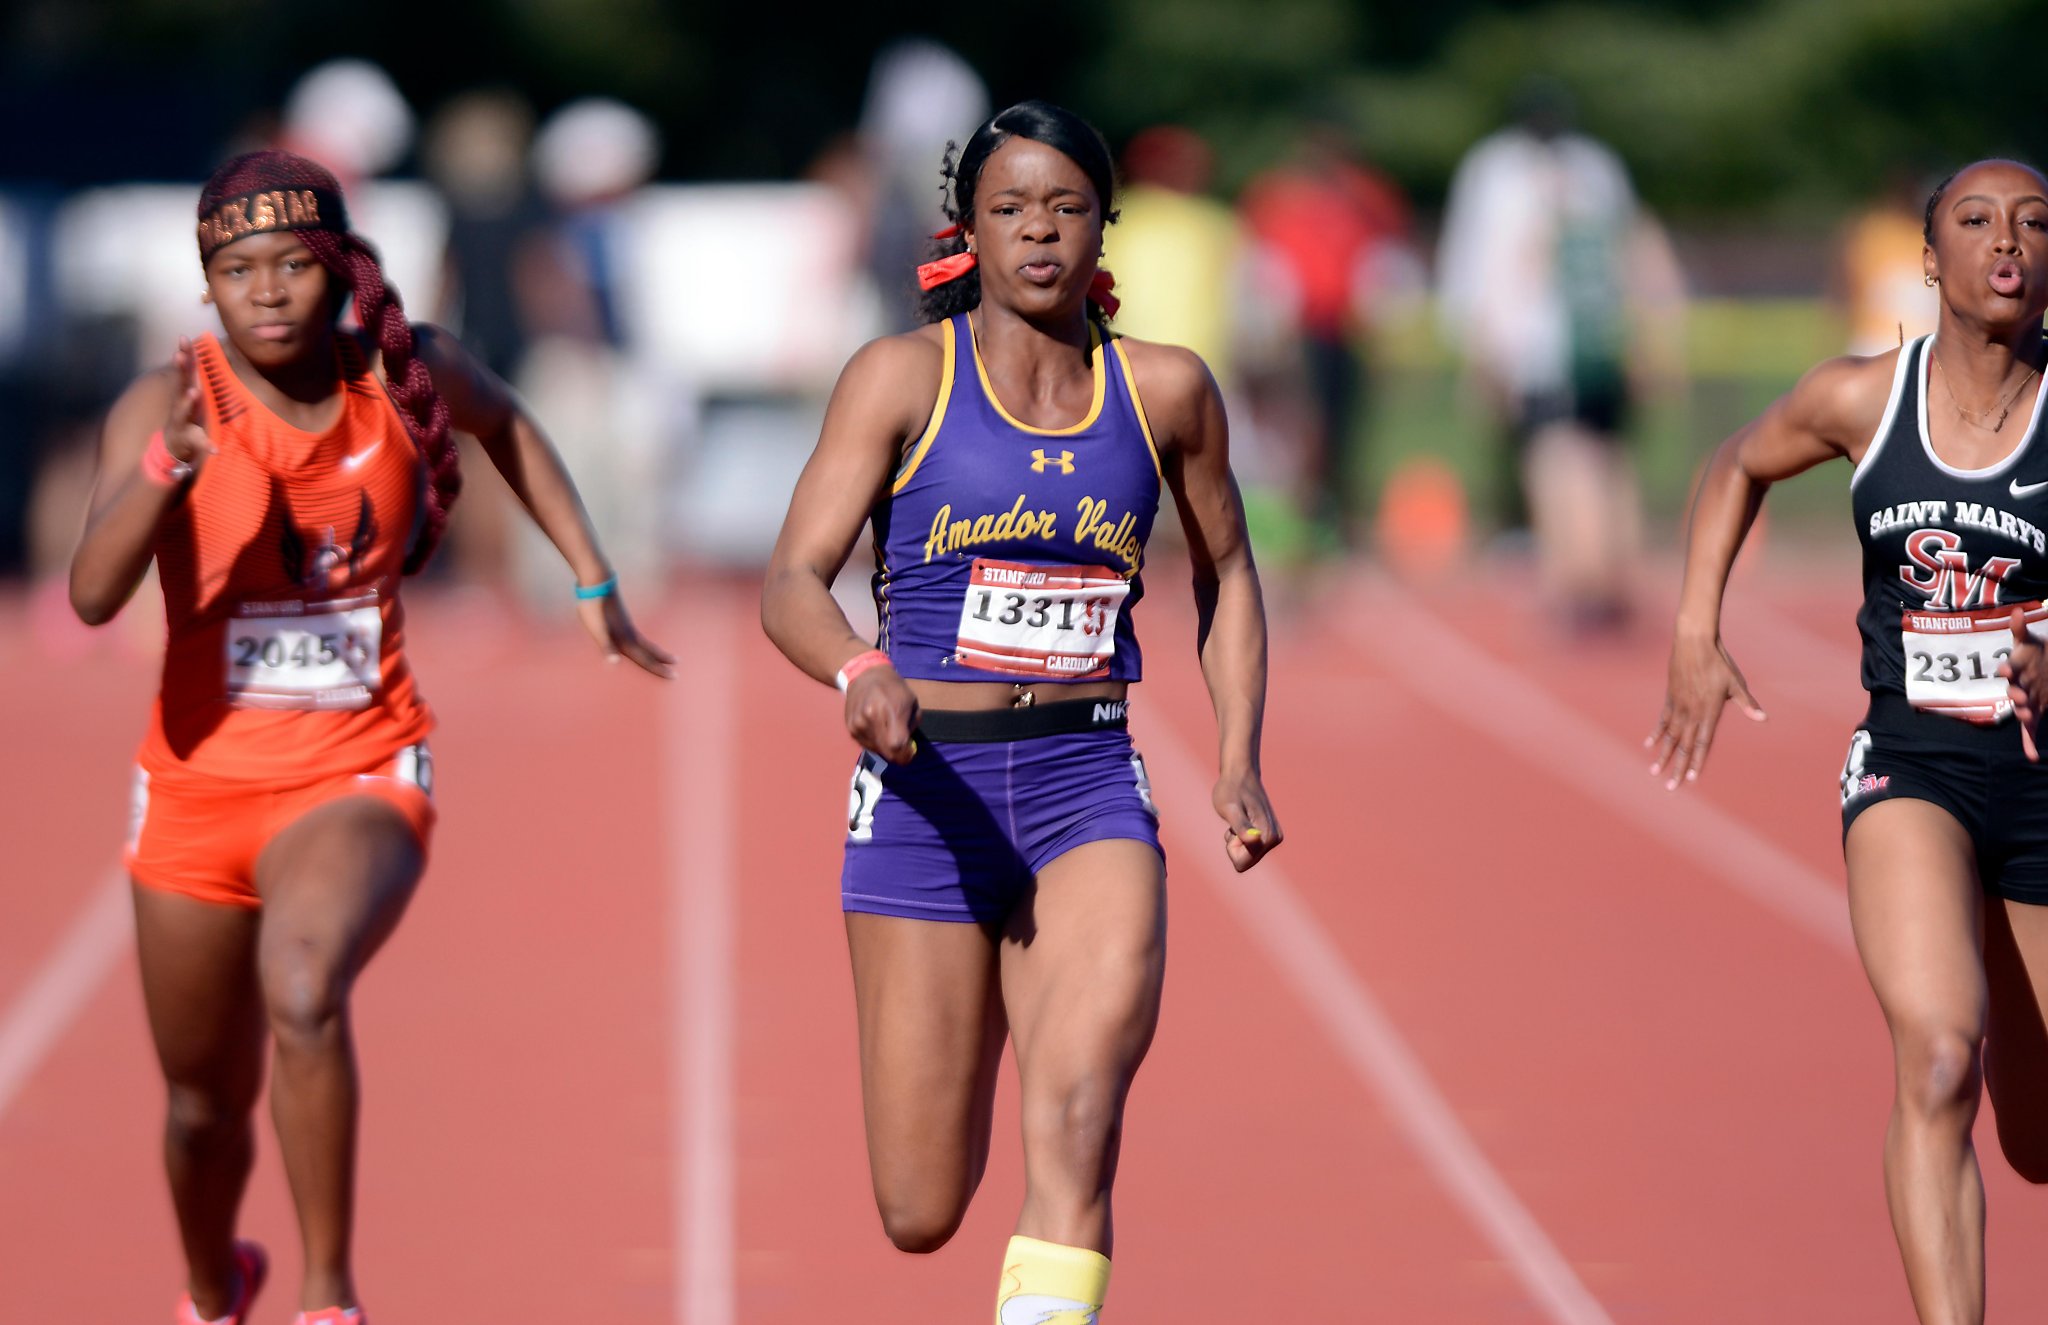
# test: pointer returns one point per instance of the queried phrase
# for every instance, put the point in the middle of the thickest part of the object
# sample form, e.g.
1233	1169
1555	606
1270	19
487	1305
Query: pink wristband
858	664
159	466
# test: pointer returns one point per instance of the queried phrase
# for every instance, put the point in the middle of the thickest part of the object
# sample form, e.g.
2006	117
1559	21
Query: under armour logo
1039	460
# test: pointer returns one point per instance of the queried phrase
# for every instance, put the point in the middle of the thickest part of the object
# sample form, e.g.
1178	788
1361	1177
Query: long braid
354	263
420	406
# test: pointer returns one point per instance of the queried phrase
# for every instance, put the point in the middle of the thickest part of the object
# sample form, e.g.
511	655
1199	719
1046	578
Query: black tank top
1947	554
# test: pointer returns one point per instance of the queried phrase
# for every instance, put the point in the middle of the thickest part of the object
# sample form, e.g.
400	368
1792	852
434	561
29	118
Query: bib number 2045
327	657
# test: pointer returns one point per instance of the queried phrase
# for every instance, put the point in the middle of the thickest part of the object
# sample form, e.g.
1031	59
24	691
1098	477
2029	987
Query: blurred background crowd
1477	279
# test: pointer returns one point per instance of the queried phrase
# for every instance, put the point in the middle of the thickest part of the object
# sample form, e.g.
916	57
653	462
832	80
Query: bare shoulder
896	377
440	349
1175	387
1842	400
914	355
1169	374
149	395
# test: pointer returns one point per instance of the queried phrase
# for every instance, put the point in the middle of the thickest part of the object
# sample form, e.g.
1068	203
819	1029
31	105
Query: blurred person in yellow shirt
1176	248
1879	288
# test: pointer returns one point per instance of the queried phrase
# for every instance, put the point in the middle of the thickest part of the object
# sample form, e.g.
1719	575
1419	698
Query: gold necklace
2004	407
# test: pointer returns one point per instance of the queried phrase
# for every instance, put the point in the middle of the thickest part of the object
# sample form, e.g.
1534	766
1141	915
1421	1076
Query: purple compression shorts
991	798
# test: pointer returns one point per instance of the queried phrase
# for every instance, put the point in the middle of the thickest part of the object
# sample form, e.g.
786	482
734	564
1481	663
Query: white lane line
698	811
1270	910
65	983
1509	710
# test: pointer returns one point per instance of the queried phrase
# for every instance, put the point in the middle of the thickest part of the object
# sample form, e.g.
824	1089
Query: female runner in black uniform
1944	801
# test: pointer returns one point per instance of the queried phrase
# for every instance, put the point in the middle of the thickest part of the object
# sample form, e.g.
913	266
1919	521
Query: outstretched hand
606	620
2027	676
1703	679
184	437
1249	828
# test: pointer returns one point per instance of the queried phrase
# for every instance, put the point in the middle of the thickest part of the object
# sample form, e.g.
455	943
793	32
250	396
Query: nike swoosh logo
353	462
2020	489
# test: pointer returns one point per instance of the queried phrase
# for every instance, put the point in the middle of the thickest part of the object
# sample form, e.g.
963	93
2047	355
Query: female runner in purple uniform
1944	800
1003	870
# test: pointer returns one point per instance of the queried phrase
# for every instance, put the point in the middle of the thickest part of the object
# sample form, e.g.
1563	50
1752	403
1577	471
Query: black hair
1934	198
1934	201
1041	122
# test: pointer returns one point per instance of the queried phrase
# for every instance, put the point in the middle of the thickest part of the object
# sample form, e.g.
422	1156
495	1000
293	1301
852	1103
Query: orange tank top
285	659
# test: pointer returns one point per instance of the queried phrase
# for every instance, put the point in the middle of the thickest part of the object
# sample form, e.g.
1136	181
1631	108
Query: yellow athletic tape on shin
1045	1283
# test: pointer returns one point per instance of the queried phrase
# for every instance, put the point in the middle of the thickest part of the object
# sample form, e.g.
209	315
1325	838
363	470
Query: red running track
1507	1034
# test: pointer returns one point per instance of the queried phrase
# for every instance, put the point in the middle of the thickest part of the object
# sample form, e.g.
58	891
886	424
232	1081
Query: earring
1930	281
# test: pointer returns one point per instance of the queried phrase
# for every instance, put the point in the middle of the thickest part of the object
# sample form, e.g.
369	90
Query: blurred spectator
1878	287
475	151
920	96
590	158
18	423
1174	248
1557	287
1331	229
349	116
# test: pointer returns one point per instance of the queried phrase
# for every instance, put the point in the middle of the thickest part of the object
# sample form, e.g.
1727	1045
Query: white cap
350	116
593	149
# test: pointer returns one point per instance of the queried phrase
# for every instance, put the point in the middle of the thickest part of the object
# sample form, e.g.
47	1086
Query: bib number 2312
1952	658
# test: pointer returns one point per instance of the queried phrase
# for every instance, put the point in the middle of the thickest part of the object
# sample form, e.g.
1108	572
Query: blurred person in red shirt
1330	227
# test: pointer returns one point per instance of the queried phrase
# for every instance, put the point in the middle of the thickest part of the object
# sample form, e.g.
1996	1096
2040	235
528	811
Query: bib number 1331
1053	621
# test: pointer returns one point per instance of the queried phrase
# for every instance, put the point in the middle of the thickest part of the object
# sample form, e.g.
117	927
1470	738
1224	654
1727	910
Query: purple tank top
1005	552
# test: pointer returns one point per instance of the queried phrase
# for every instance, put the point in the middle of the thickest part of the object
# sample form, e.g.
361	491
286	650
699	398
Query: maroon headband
264	210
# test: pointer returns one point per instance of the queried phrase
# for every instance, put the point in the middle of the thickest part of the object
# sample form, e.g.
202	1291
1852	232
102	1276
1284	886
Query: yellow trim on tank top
1094	406
1123	361
931	429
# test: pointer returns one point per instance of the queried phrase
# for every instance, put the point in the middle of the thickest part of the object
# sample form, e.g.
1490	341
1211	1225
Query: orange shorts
203	842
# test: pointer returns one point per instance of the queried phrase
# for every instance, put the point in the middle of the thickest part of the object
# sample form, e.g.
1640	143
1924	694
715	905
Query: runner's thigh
931	1035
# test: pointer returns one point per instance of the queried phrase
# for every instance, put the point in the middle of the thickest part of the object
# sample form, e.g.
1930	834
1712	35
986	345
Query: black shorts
1979	774
1597	404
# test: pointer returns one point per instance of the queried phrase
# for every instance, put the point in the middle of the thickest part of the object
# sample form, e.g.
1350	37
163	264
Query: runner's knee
198	1111
1076	1125
919	1222
305	993
1940	1071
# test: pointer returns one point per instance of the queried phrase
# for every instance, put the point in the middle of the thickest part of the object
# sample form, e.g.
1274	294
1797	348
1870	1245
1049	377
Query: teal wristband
604	590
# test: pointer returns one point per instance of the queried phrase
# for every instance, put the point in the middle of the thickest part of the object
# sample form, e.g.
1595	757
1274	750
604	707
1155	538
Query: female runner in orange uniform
284	478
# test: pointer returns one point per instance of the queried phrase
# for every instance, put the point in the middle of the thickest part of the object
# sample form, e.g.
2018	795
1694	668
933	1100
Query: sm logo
1064	461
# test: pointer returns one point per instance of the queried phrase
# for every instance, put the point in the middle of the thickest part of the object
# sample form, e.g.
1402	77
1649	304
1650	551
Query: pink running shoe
332	1316
252	1266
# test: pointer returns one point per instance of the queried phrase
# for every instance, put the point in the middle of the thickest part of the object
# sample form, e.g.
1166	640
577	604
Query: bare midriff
980	696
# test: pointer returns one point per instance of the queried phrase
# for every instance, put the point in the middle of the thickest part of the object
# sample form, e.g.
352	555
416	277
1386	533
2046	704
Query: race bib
1049	621
305	655
1952	658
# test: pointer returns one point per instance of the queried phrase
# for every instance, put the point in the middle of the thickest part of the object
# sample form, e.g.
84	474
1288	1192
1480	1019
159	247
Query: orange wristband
858	664
159	466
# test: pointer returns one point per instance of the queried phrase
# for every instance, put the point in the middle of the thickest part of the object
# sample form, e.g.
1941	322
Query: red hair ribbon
950	232
1099	290
945	269
937	273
